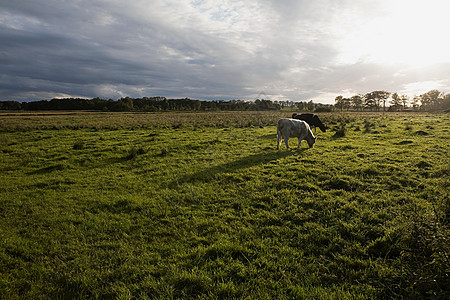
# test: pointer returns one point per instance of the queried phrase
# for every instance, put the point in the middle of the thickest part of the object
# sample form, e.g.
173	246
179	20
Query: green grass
203	206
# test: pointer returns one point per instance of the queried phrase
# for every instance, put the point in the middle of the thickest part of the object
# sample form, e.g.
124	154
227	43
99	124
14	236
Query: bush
79	145
340	130
323	109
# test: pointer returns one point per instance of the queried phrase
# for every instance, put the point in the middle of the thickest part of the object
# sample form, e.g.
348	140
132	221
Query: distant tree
339	103
126	104
262	104
383	96
38	105
165	104
323	108
10	105
369	101
446	102
150	104
431	100
376	97
209	105
396	102
100	104
301	105
357	102
286	103
415	102
346	103
405	101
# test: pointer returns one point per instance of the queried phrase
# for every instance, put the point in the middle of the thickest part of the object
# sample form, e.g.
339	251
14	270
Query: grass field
203	206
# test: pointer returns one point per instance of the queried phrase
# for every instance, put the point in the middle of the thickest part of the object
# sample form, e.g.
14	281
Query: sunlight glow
410	33
417	88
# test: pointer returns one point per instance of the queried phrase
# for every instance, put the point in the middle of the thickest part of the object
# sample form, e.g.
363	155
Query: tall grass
116	121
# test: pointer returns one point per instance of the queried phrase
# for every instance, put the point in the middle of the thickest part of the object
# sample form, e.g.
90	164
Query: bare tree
415	102
405	100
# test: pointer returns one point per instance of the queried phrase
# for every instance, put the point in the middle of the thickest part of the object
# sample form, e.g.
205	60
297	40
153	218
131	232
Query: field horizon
203	206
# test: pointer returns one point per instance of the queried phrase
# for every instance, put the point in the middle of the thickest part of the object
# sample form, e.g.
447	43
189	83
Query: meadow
203	206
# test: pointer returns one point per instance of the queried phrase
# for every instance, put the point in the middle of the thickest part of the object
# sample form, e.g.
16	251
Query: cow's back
292	127
305	117
312	119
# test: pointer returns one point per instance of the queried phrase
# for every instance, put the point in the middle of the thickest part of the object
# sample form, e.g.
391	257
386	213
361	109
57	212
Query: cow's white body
287	128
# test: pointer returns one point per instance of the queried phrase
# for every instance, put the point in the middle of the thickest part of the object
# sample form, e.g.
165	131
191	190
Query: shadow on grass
209	174
48	169
272	136
98	164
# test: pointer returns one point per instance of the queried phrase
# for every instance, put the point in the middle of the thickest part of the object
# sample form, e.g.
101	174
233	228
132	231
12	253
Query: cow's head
311	141
319	123
322	127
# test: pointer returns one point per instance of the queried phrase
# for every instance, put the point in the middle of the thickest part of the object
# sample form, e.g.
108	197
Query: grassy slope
217	212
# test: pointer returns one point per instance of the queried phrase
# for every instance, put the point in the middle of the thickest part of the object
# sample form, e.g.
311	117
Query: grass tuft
135	151
5	140
340	130
164	151
78	145
421	132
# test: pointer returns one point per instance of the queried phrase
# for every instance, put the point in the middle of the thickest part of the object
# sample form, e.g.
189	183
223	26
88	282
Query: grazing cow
287	128
312	119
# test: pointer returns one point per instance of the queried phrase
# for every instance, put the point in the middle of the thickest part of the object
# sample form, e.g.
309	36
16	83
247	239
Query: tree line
373	101
157	104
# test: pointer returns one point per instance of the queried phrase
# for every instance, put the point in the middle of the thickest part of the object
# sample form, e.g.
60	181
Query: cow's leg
286	141
278	140
299	142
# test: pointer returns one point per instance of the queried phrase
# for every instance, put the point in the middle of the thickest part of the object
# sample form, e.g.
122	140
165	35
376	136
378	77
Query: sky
296	50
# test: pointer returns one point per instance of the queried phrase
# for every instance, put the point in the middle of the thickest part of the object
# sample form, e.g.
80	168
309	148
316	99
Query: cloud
203	49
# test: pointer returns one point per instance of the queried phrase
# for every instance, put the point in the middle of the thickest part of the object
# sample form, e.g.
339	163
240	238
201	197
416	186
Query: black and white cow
312	119
287	128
